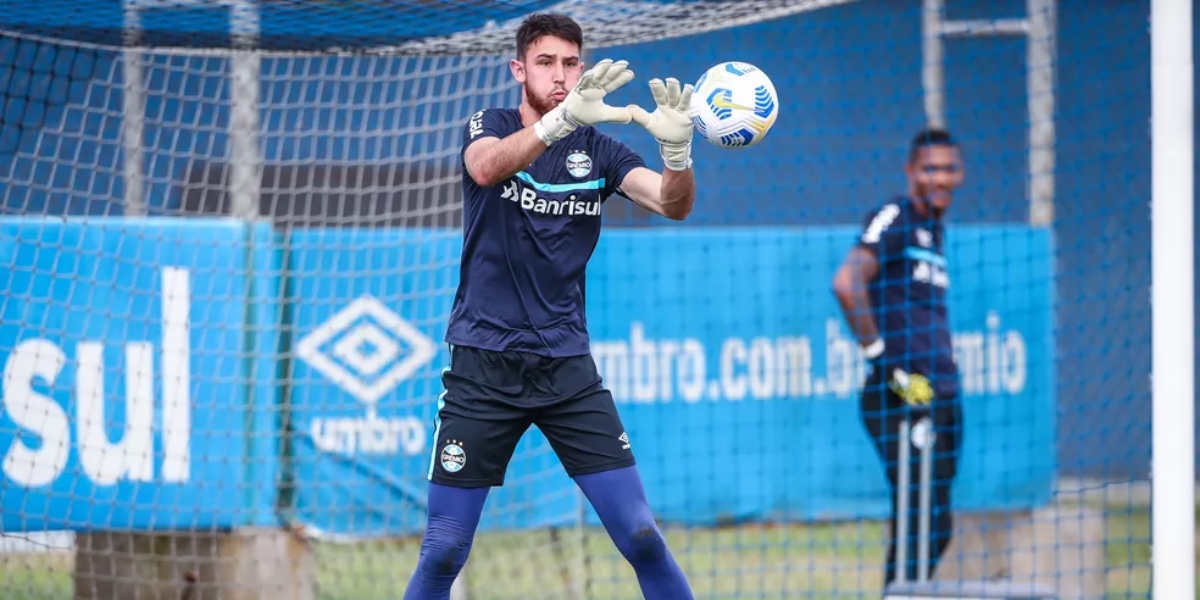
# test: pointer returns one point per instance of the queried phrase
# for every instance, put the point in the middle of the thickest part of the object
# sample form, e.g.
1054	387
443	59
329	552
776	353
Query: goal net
233	238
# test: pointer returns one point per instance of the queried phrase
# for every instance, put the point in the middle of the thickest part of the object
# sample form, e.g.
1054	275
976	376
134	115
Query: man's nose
943	177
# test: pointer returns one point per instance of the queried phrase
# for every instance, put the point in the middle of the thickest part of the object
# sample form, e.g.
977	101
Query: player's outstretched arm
673	192
670	194
491	161
850	287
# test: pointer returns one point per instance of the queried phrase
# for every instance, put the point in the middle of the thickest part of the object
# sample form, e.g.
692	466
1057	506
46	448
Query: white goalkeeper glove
670	123
584	105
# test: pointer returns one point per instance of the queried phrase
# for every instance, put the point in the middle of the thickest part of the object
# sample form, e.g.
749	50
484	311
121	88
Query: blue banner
366	378
150	364
735	377
126	397
738	380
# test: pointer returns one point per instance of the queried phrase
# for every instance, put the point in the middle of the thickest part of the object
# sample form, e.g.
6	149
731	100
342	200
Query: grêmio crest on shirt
578	198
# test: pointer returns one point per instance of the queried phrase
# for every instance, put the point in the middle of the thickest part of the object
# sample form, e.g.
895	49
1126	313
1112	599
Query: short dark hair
539	25
930	136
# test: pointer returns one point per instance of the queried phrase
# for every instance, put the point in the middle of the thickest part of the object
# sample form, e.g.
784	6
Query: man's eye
948	168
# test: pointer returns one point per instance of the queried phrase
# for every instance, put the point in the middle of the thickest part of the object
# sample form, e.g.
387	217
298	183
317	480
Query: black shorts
491	399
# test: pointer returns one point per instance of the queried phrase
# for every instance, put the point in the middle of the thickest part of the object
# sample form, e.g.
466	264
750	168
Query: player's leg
584	429
883	412
449	532
948	420
620	501
882	418
476	430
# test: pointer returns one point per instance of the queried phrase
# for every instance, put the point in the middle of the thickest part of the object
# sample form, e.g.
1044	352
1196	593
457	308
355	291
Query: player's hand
913	388
584	105
670	123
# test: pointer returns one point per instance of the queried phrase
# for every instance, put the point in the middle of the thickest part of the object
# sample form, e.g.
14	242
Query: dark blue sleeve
619	160
882	233
483	124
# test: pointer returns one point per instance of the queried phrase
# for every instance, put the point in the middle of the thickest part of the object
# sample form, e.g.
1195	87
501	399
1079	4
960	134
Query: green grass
842	561
744	562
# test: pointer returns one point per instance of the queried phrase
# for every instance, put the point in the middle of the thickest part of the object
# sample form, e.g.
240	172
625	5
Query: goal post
1173	299
234	232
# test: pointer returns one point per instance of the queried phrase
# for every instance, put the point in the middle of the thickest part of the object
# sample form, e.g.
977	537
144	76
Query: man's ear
518	70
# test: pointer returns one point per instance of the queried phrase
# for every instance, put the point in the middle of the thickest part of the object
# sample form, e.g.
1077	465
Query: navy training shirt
908	296
528	239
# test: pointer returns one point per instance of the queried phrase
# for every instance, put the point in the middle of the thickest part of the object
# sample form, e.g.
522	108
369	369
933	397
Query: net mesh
189	397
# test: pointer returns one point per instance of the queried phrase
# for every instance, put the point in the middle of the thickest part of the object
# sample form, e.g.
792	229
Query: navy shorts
491	399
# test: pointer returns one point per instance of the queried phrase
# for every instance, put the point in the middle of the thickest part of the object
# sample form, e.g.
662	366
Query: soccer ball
734	105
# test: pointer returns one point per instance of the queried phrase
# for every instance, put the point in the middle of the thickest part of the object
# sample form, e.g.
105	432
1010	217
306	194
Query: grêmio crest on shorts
527	241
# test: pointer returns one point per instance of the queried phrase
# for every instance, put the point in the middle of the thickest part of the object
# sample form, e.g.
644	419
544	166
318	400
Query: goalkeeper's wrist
874	349
554	125
542	134
677	156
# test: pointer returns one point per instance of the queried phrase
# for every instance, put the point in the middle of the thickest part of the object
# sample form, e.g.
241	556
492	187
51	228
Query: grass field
841	561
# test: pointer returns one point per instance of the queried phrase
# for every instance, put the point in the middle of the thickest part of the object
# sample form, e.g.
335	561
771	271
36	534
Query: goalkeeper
534	180
892	290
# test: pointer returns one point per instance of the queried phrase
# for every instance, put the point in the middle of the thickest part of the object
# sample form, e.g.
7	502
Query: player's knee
643	543
445	548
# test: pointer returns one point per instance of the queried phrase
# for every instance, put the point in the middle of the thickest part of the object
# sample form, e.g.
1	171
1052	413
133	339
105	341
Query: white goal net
233	234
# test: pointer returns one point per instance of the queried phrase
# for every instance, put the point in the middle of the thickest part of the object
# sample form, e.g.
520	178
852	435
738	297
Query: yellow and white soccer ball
734	105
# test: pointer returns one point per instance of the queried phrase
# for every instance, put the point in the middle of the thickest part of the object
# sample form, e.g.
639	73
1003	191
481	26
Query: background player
892	289
534	179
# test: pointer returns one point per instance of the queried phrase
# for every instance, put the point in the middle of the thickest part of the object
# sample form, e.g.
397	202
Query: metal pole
926	486
932	68
1040	68
133	115
1039	27
902	482
244	156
